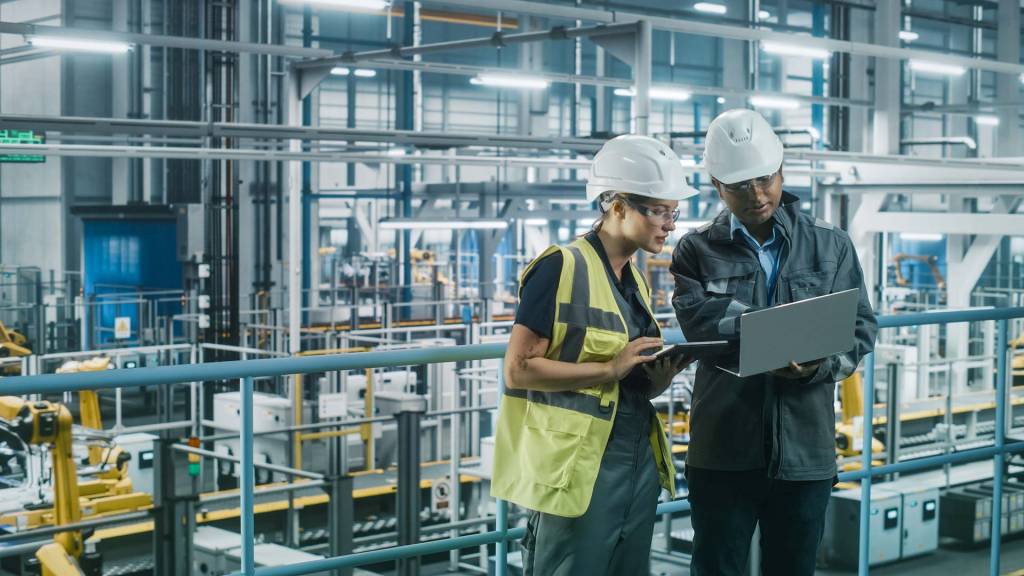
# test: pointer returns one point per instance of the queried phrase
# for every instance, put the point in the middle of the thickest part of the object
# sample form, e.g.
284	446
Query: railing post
866	454
501	521
1000	430
340	516
409	481
247	480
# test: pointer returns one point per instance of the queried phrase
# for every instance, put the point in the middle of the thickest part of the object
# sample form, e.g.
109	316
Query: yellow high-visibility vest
548	445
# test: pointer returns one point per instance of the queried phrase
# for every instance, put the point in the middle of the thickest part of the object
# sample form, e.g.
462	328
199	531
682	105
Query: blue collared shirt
768	254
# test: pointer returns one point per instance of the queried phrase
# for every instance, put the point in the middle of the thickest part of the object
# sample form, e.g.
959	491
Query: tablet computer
696	349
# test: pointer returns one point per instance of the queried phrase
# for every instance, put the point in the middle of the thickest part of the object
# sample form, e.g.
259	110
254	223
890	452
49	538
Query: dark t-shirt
537	302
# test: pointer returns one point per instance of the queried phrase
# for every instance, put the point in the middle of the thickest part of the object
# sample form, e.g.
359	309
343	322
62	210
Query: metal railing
247	370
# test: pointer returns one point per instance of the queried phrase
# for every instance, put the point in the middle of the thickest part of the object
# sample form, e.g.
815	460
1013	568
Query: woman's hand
631	356
663	371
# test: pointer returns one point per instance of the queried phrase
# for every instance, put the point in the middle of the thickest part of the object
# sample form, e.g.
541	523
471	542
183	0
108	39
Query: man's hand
661	372
796	371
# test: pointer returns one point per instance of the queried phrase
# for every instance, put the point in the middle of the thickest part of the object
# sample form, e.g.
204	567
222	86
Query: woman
578	442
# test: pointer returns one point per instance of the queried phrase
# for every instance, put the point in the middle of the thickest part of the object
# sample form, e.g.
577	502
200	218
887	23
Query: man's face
752	201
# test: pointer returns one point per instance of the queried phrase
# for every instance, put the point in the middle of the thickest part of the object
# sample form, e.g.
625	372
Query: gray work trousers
614	535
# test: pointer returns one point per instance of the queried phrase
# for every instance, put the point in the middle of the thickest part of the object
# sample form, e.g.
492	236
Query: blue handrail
247	370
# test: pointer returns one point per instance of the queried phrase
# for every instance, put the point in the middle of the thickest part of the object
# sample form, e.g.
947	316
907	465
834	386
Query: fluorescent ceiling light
510	81
395	152
774	103
720	100
360	72
421	224
688	162
657	93
929	67
536	222
80	45
795	50
985	120
763	15
710	7
669	94
356	4
921	236
908	36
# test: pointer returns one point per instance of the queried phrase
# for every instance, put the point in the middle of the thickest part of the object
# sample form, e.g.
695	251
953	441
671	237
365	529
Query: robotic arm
46	423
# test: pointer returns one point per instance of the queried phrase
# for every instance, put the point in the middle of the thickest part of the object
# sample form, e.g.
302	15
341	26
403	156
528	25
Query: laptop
801	331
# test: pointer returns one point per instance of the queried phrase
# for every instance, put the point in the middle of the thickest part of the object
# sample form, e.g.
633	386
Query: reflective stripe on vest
585	403
578	315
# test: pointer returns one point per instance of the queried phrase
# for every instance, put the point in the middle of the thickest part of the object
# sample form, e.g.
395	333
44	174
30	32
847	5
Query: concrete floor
950	561
943	562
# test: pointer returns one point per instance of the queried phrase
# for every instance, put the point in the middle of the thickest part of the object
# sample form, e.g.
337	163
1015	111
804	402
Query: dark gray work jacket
765	422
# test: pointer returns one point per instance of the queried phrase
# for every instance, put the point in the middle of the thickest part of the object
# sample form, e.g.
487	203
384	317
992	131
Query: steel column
408	494
1008	87
888	89
340	516
642	78
294	267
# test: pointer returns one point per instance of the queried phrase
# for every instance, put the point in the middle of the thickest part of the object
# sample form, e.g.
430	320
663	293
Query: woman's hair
605	203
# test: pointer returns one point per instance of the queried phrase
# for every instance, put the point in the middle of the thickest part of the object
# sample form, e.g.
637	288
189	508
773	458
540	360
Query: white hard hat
638	165
741	145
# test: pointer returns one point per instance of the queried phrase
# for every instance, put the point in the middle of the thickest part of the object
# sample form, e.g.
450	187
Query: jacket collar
785	216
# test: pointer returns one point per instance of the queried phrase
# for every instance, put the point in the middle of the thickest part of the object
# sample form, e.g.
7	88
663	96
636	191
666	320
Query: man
762	448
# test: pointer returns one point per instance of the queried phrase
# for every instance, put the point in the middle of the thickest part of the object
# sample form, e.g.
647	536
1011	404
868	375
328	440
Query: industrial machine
40	423
12	345
929	260
849	432
88	479
840	545
920	521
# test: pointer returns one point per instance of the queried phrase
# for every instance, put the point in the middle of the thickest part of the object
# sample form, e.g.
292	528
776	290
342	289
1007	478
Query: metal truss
728	32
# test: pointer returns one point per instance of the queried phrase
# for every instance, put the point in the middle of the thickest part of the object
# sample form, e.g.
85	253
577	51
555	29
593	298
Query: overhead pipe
965	141
496	40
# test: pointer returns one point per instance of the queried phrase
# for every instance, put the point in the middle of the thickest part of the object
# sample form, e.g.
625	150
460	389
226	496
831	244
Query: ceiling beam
724	31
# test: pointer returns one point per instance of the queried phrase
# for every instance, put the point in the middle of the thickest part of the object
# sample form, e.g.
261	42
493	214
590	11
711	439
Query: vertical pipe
117	409
307	180
501	522
193	396
247	480
866	453
997	479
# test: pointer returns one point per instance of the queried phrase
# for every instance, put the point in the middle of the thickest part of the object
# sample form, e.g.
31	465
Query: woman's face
647	222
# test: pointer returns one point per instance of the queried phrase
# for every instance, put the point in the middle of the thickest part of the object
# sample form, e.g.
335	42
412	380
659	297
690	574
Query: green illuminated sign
21	137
